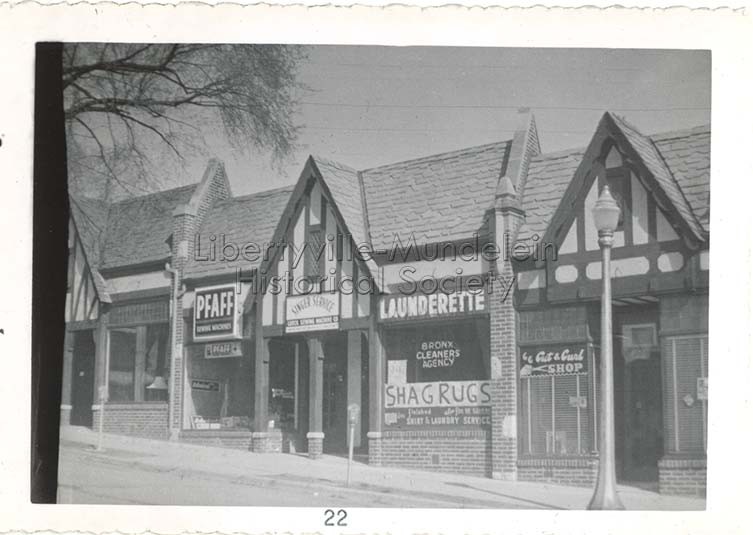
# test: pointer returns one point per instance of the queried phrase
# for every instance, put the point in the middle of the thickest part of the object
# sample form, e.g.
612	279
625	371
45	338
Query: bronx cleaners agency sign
441	404
312	312
215	313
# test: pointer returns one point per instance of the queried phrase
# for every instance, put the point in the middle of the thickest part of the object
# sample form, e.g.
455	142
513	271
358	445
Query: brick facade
579	472
457	451
375	448
267	442
315	444
682	476
147	420
236	440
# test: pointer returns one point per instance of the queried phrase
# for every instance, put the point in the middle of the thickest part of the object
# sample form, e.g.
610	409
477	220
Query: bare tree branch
169	93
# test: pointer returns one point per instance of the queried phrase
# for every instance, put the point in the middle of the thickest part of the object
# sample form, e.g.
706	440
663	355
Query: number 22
329	517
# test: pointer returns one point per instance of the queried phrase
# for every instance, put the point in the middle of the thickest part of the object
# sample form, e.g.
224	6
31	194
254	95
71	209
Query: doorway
289	390
82	383
638	395
335	399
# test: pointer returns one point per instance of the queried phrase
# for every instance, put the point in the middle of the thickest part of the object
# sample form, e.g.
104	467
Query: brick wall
148	420
458	451
682	476
237	440
574	472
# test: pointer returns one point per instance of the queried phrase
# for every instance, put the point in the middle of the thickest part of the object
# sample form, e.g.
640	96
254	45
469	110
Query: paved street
140	471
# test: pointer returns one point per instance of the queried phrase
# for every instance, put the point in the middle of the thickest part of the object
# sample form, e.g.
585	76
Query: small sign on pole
354	412
702	388
102	395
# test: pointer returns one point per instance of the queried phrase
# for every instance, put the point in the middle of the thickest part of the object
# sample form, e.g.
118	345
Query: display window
219	387
438	376
557	400
436	352
138	363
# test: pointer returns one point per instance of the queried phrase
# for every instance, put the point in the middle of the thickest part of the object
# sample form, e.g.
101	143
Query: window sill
135	404
209	433
573	461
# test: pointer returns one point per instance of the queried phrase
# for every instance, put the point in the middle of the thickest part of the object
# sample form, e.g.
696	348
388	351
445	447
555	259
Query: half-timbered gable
660	244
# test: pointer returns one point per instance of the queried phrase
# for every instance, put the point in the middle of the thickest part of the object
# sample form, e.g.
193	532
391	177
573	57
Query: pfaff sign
219	350
215	313
415	307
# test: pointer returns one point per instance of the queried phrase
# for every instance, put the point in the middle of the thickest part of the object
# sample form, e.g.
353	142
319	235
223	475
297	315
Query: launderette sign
398	307
215	313
312	312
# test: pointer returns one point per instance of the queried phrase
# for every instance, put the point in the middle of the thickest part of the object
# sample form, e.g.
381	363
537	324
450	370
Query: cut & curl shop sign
555	360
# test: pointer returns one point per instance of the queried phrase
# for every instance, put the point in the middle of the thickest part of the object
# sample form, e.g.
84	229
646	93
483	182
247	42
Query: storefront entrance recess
638	395
83	378
344	382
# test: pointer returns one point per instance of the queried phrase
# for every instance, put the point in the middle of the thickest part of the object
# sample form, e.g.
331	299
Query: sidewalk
448	490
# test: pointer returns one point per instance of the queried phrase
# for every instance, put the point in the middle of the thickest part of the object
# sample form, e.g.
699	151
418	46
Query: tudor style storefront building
450	303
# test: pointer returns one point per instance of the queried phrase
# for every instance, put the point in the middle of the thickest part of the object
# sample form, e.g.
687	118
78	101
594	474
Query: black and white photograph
379	276
375	270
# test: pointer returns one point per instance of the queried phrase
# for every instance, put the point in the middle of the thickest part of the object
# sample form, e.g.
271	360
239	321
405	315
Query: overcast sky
369	106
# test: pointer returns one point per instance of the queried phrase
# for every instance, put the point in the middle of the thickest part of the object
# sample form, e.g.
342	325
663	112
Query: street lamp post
606	214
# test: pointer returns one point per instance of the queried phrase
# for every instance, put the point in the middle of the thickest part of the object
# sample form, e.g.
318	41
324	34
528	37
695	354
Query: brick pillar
184	222
503	341
503	383
187	219
376	391
315	435
65	398
260	442
354	379
100	362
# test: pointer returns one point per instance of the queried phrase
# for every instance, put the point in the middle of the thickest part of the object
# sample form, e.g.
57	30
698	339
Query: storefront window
138	357
437	377
430	353
686	384
557	401
220	386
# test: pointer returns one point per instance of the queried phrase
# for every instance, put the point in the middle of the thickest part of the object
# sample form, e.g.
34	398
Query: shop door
82	383
282	385
335	402
641	404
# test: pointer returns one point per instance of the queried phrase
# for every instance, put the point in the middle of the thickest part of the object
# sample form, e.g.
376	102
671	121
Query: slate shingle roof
441	197
653	160
687	153
437	198
549	175
129	232
248	219
138	228
343	184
